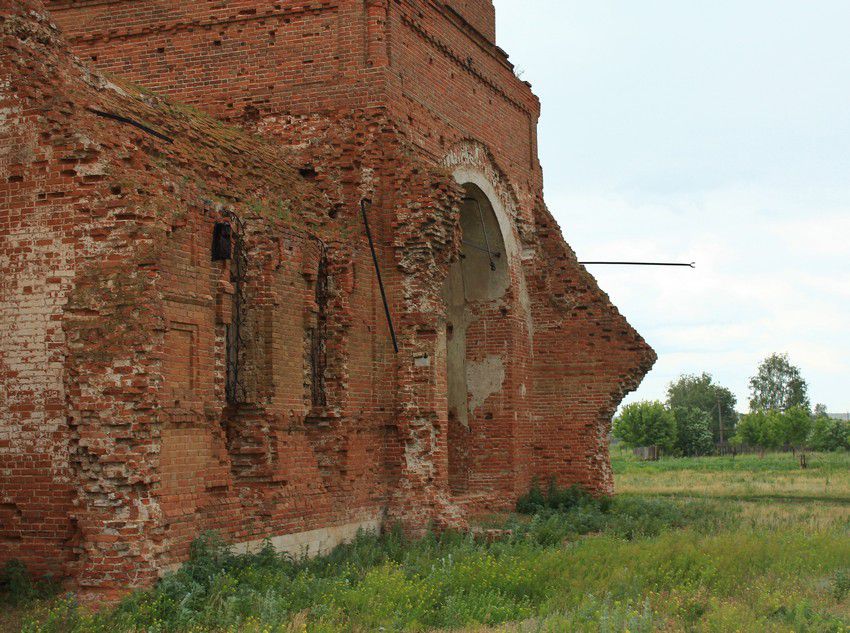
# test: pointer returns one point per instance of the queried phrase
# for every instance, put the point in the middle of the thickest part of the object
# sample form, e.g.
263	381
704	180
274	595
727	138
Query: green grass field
704	544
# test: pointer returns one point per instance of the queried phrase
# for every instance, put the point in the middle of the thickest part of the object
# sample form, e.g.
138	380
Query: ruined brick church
197	330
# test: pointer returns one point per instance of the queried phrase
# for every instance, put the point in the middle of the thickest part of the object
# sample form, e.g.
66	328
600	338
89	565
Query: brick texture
151	391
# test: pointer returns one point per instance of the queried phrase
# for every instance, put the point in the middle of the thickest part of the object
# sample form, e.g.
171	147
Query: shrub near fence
727	448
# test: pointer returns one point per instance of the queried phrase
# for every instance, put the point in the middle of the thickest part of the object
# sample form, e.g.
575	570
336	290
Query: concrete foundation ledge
312	543
307	544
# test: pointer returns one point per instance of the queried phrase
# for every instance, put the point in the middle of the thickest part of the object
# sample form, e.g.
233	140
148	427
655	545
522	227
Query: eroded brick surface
151	391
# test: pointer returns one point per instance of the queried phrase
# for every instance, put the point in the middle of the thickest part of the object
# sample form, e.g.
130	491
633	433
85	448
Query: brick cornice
463	63
183	24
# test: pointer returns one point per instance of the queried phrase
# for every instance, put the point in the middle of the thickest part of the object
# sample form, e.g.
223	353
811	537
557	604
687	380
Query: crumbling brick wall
603	359
162	391
38	252
141	449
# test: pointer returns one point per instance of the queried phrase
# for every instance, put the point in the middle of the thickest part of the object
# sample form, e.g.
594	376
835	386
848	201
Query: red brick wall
446	88
480	14
292	56
273	463
439	83
38	253
120	316
117	447
585	349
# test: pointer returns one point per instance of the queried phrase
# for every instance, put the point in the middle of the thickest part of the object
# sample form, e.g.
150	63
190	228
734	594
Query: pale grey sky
709	131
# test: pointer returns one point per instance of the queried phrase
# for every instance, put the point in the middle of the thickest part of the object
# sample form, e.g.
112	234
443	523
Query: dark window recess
222	242
235	331
232	353
318	337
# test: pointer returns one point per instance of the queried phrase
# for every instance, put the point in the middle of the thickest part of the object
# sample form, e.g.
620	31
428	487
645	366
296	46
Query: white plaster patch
97	168
33	339
419	448
108	85
483	379
8	116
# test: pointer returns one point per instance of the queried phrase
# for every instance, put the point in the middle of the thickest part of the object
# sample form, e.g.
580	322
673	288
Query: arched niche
478	335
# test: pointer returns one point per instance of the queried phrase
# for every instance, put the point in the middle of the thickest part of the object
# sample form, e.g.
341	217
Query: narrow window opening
222	245
235	331
318	337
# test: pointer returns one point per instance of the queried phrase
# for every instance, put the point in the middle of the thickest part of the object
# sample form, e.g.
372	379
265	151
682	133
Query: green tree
828	434
755	429
646	423
692	391
778	385
789	428
693	431
775	429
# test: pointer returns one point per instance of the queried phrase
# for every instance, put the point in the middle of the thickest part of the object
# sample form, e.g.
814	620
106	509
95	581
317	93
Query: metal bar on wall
363	203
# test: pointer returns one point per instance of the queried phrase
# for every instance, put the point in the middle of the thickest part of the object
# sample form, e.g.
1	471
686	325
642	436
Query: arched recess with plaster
487	338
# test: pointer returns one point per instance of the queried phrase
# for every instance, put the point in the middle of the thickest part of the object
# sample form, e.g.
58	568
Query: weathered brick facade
153	387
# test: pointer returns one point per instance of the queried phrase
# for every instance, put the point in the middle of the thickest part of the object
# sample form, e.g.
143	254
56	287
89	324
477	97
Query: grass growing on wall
639	563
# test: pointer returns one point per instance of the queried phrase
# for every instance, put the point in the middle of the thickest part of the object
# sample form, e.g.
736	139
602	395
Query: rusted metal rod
129	121
691	265
483	230
363	203
482	249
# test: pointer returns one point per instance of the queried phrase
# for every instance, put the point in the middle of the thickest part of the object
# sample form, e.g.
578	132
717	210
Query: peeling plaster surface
484	378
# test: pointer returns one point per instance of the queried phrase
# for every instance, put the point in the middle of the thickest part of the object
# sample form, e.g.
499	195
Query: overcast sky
708	131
